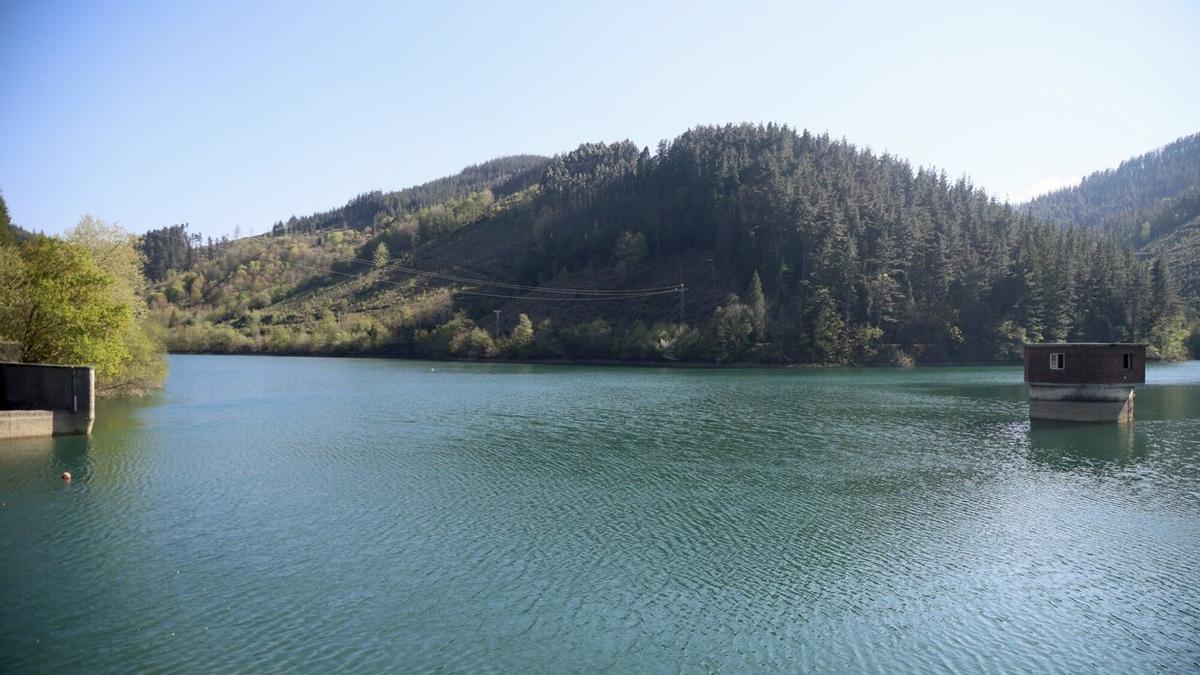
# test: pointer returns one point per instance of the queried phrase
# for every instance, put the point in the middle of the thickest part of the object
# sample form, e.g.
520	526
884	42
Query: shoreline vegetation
729	246
77	300
697	365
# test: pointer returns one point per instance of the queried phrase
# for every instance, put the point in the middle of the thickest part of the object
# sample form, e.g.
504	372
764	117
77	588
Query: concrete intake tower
1083	381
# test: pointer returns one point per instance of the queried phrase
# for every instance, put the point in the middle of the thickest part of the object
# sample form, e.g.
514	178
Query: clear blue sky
224	114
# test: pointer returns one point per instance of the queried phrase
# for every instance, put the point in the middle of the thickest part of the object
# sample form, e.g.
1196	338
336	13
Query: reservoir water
322	515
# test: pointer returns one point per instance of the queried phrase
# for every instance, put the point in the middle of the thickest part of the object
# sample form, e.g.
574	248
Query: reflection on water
975	390
1167	402
36	461
37	450
1069	445
118	415
328	515
23	460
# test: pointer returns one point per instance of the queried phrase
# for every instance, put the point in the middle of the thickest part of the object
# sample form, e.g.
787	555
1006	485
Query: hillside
9	232
1150	202
503	175
789	248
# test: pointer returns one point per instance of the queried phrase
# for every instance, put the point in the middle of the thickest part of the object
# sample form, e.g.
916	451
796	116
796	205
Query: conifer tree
1162	290
758	308
382	256
7	235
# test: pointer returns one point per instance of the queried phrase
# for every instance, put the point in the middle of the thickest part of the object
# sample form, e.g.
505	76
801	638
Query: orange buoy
66	475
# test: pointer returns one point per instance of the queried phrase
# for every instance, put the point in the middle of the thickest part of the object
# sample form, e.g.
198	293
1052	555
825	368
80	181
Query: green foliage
1168	339
545	340
1162	291
758	308
519	343
591	340
630	247
460	337
79	301
677	342
828	330
734	324
442	219
13	273
58	305
8	235
635	343
884	298
502	177
167	248
382	256
864	343
1010	340
116	252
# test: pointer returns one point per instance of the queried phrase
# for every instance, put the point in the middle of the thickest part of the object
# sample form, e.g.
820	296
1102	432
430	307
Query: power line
593	298
674	289
484	282
590	294
504	284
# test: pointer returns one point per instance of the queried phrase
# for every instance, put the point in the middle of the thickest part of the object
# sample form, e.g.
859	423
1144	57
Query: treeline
78	300
168	248
792	248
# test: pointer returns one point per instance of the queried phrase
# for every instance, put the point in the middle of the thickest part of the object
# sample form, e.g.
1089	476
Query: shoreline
699	365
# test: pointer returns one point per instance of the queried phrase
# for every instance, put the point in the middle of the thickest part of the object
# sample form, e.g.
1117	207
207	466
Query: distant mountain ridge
1150	202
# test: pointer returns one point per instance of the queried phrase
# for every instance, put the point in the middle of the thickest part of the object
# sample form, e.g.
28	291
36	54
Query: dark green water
322	515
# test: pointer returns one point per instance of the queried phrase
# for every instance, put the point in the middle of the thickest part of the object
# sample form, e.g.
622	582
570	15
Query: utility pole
497	313
682	290
712	267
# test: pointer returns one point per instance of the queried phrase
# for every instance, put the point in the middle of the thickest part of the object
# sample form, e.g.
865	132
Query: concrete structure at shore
1084	381
46	400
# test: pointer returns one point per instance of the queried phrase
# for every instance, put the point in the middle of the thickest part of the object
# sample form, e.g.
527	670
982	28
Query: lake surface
293	514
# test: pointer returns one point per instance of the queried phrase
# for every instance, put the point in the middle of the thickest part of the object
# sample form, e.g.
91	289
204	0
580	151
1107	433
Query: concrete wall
1079	392
1119	409
1082	411
40	400
26	423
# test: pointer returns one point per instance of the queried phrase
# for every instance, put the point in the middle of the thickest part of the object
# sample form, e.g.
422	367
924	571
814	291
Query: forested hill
504	175
1151	203
731	243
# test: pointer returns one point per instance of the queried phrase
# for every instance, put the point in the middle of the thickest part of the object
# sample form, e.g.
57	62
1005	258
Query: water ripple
319	515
